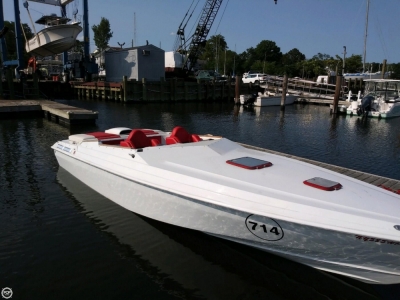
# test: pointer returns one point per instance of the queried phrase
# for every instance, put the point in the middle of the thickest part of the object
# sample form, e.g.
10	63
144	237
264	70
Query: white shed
146	61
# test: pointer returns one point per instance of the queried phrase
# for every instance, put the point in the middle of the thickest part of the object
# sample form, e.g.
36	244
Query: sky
311	26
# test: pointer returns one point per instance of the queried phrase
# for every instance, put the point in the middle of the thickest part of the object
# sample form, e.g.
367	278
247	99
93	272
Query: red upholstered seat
180	135
138	139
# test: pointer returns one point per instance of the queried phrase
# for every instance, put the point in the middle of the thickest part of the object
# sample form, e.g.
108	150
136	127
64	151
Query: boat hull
53	40
360	257
274	101
391	112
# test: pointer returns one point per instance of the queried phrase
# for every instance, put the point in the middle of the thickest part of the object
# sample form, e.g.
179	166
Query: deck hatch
249	163
323	184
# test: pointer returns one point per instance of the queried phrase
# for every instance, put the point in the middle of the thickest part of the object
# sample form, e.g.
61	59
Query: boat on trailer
211	184
56	37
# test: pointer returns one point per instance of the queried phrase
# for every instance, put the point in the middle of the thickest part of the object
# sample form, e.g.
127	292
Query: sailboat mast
365	36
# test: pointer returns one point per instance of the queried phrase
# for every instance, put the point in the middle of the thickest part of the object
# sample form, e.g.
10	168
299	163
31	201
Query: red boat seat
180	135
138	139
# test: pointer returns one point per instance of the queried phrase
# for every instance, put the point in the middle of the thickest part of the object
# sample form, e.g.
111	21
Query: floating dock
54	111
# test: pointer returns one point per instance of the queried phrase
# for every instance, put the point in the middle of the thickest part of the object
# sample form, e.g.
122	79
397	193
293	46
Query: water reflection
200	266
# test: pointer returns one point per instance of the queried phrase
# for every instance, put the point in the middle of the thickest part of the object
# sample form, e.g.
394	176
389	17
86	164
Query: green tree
11	42
214	53
292	57
292	62
102	34
353	64
266	53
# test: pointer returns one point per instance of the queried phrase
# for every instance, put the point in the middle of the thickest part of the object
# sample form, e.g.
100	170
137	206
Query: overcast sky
311	26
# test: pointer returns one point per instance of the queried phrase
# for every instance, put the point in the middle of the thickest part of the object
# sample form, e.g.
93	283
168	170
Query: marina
61	204
135	171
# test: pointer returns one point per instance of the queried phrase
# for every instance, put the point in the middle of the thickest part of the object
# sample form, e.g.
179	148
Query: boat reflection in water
199	265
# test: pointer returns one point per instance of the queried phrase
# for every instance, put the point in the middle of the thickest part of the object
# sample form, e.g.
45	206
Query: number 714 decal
264	228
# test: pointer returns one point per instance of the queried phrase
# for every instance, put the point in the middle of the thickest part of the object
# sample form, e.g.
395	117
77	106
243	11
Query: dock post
284	90
124	86
237	90
144	91
337	93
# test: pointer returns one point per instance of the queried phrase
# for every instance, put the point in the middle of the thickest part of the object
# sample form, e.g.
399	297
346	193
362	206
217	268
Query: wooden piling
124	87
284	90
144	91
337	93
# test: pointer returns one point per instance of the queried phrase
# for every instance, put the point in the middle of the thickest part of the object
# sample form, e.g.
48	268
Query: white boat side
350	231
381	99
274	100
53	40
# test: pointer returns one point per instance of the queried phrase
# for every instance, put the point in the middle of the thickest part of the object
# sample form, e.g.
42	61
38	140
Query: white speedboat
57	36
381	99
299	211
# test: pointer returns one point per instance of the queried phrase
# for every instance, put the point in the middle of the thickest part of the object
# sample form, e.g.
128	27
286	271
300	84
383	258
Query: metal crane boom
198	39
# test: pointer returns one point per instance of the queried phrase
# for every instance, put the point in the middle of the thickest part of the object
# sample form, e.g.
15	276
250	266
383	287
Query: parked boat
266	99
290	208
380	100
365	75
57	36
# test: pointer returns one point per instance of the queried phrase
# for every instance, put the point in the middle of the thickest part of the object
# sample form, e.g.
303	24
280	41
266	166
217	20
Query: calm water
62	240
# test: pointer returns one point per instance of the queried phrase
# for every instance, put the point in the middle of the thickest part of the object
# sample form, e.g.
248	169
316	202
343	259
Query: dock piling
337	93
284	90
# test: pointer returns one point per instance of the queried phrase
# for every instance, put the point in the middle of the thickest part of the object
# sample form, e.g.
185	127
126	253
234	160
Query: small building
146	61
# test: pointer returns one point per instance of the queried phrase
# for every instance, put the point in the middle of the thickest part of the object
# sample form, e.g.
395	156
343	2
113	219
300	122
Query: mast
365	36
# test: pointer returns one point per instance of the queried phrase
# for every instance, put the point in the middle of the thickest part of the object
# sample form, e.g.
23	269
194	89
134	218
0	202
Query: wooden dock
384	182
162	90
56	112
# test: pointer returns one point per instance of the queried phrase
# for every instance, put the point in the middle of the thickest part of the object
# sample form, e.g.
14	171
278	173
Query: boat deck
384	182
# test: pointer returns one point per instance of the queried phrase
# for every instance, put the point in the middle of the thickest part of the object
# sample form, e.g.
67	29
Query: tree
292	62
292	57
102	34
11	43
214	52
353	64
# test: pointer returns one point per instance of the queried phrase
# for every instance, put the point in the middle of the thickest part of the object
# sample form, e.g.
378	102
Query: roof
45	19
